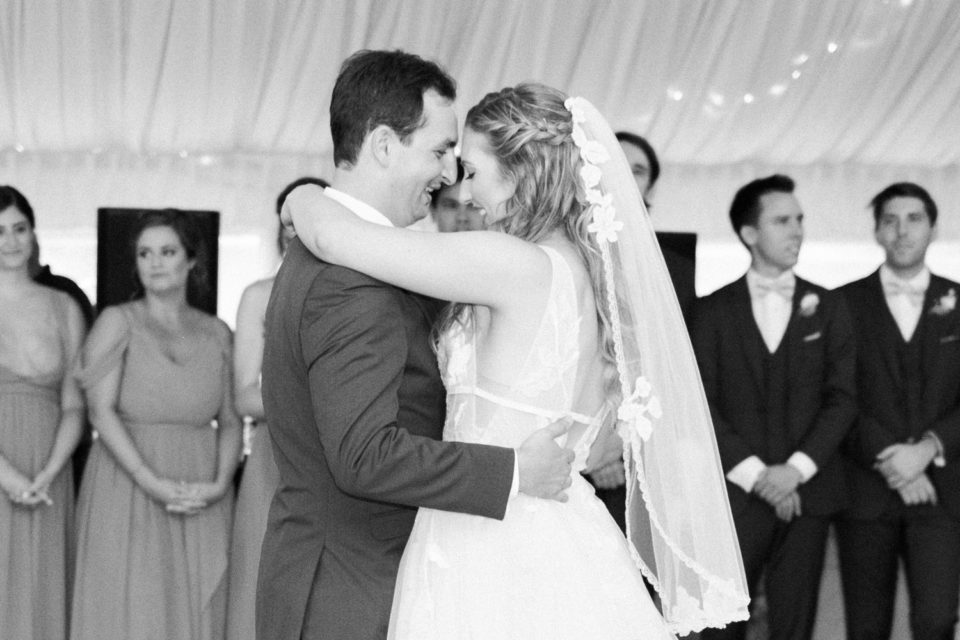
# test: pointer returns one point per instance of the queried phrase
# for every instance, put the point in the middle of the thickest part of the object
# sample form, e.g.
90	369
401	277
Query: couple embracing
564	332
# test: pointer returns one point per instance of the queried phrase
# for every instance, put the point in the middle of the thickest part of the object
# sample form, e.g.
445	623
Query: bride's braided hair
530	132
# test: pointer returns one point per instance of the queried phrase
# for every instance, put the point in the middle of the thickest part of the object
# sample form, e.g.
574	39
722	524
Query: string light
748	98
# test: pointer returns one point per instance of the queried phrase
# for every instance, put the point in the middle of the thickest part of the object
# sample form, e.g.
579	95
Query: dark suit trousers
791	556
928	540
615	500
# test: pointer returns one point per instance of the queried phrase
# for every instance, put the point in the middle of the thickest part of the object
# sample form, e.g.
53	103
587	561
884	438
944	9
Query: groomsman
902	453
777	359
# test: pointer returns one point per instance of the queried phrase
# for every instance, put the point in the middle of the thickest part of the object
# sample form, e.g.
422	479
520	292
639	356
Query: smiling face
775	240
904	231
483	183
424	161
162	261
16	239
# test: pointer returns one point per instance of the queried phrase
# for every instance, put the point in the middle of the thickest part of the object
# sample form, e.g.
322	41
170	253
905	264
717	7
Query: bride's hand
286	212
315	218
302	201
609	476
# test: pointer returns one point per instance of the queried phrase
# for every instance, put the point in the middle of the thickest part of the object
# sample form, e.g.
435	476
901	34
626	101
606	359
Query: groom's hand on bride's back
544	466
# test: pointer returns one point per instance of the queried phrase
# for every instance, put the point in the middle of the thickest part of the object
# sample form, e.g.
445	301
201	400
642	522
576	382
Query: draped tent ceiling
709	82
219	103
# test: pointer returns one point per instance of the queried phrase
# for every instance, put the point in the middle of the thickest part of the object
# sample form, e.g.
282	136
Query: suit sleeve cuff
515	485
745	474
804	464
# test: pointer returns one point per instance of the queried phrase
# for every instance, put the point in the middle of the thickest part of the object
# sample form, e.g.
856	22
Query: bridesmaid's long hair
530	133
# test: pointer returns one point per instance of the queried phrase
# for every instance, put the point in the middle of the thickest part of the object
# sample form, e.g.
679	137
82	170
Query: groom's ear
382	141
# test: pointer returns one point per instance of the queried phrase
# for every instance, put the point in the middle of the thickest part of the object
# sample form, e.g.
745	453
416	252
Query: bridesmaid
155	504
41	419
260	477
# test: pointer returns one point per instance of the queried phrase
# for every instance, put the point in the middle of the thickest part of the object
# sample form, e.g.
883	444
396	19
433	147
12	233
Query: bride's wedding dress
548	570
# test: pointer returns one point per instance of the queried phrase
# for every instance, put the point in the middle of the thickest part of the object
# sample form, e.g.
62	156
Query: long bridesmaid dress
144	573
257	485
259	482
35	544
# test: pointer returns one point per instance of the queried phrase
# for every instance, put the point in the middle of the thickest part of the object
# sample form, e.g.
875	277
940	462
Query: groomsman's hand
609	476
789	507
919	491
777	482
606	450
544	465
901	463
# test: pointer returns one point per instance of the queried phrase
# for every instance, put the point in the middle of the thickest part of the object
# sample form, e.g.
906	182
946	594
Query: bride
566	313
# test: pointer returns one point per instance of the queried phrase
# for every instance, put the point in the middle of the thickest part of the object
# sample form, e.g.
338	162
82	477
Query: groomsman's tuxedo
909	388
779	396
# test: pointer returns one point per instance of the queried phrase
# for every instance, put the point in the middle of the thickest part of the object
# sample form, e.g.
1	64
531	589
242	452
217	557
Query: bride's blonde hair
529	131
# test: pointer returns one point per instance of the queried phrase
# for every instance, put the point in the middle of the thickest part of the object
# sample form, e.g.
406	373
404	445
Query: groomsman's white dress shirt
905	298
772	302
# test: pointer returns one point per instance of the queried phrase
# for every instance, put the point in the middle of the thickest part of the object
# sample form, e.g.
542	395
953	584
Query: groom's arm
354	344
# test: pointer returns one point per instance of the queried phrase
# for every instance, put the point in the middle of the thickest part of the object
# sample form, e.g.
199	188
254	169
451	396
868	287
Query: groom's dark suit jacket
350	387
885	395
816	404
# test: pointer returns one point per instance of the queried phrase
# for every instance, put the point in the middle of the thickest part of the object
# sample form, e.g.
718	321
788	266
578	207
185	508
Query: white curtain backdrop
219	103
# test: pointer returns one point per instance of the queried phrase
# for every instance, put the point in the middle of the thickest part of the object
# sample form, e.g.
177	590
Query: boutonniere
808	304
946	304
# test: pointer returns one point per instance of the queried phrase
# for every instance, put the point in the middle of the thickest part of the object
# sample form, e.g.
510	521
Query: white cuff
804	464
938	459
515	485
745	474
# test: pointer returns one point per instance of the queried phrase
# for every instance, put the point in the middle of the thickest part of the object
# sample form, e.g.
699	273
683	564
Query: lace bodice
546	387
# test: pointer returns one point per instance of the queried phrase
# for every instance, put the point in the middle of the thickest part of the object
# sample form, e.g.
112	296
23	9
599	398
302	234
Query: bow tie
763	287
900	288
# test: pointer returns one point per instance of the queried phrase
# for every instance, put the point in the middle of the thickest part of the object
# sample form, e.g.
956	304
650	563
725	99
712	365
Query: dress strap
559	264
93	369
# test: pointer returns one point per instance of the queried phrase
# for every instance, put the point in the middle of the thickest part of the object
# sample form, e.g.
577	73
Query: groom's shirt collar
362	209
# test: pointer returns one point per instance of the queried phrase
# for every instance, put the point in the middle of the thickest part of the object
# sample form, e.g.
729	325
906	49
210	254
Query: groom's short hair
381	87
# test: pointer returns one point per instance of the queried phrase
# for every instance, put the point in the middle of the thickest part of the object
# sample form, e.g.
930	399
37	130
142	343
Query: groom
351	386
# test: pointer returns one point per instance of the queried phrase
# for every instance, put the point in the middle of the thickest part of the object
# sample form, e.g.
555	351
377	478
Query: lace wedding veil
679	525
